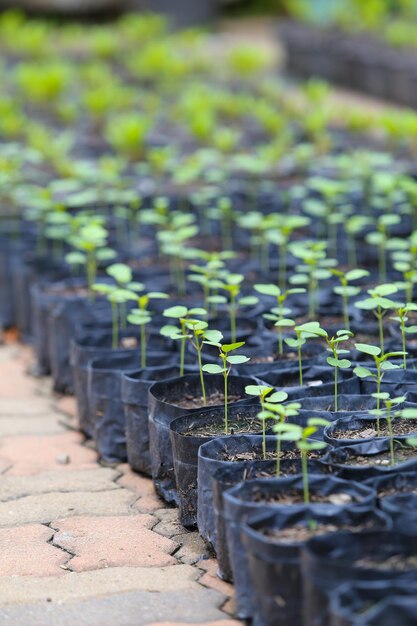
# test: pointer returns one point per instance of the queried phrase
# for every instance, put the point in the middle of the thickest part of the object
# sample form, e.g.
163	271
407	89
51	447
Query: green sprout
347	291
310	330
143	316
182	314
226	365
382	365
380	305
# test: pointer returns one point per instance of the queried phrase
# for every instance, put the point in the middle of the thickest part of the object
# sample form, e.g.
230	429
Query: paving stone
223	622
34	406
45	508
192	549
13	381
148	501
36	453
11	425
169	524
99	542
140	608
98	583
67	405
13	487
25	552
210	578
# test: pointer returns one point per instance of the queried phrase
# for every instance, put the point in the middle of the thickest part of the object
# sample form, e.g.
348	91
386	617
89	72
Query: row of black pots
355	61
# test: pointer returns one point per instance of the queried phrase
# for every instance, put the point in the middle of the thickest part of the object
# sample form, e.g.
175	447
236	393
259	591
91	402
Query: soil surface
399	427
197	402
301	533
235	427
396	562
295	496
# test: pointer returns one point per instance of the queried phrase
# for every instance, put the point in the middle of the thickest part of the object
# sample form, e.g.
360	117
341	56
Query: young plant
401	317
388	414
143	316
346	291
382	364
314	269
334	360
231	283
380	238
264	394
278	314
379	304
279	413
226	365
182	314
302	438
310	330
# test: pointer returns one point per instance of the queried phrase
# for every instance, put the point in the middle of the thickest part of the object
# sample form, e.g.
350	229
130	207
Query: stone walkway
81	543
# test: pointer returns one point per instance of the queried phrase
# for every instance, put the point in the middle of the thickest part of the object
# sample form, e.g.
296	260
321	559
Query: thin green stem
278	465
233	317
305	476
143	345
391	438
300	365
200	367
115	326
226	409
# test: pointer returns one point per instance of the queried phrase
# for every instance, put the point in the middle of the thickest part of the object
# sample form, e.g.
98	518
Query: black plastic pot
403	510
359	603
341	460
164	405
252	497
105	400
185	448
236	472
135	387
274	567
393	483
330	561
215	455
318	380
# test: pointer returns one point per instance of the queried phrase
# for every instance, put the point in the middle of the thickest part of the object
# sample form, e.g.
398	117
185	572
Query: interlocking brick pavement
85	544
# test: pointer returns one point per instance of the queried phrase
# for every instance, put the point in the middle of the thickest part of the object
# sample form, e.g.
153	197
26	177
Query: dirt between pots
399	427
295	496
197	402
396	562
235	427
302	532
383	458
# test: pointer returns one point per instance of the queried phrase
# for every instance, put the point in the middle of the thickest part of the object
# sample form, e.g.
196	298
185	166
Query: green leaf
278	396
285	322
268	290
318	421
257	390
381	396
157	295
408	414
121	272
229	347
356	274
313	328
176	311
237	359
248	301
212	369
362	372
214	336
366	349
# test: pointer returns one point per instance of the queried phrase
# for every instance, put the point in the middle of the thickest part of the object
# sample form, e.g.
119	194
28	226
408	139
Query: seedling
389	404
301	437
91	245
231	283
143	316
401	317
380	305
182	314
310	330
315	268
280	234
264	394
279	413
380	238
334	360
278	313
347	291
226	365
382	364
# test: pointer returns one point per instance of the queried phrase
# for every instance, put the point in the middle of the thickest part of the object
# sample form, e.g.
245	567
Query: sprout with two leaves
279	413
346	291
231	283
227	363
382	365
278	314
302	438
402	311
266	398
390	403
182	314
143	316
379	304
118	294
310	330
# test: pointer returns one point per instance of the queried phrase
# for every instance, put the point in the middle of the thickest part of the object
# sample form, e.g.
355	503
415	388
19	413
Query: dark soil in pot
171	399
286	494
364	460
273	543
135	387
331	560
